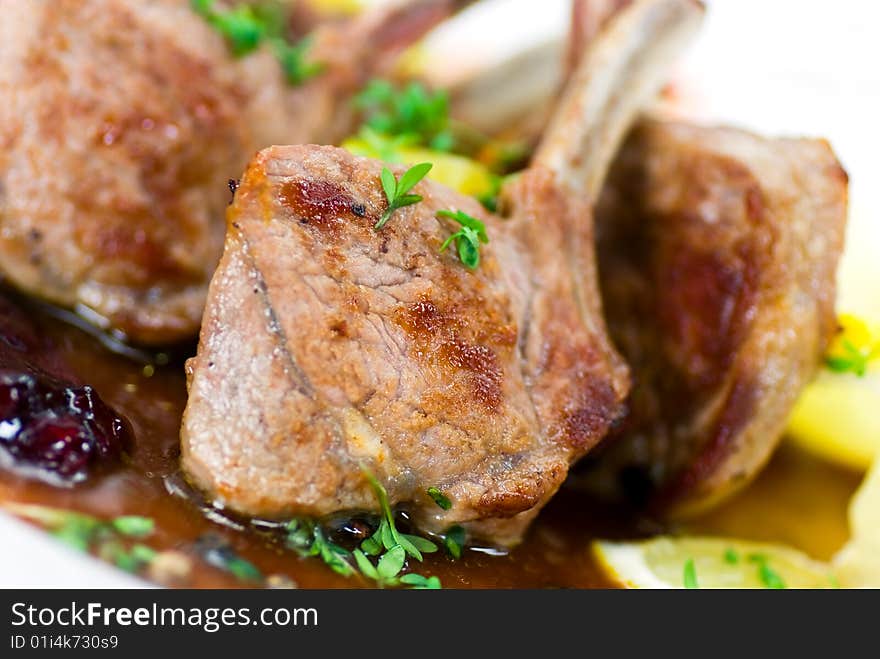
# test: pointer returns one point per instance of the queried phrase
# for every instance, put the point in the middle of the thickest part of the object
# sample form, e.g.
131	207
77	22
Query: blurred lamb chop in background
718	252
329	347
121	123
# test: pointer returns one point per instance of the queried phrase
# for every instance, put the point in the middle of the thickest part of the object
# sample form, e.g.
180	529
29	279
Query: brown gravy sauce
798	500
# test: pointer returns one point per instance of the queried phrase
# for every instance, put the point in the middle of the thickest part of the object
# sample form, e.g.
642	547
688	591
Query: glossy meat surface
329	346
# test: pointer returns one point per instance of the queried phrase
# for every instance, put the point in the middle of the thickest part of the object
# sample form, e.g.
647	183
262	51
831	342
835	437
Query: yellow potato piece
838	418
457	172
857	565
838	415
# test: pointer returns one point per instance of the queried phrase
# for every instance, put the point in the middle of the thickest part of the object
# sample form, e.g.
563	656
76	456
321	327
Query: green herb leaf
134	559
246	26
731	556
415	112
391	563
243	569
335	561
852	360
389	184
454	541
411	177
422	544
365	566
143	553
396	190
133	525
769	577
386	542
439	498
239	25
419	582
372	546
300	536
295	62
467	239
409	547
468	221
690	574
468	248
389	541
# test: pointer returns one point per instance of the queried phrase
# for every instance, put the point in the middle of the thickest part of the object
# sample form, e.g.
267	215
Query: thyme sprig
467	239
397	190
381	557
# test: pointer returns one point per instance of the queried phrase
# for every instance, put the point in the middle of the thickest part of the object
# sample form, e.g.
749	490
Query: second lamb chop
718	255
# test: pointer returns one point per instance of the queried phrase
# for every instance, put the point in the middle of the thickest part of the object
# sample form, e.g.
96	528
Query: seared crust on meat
718	253
329	346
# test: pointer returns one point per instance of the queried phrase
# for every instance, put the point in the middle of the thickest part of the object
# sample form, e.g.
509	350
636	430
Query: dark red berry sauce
51	427
56	431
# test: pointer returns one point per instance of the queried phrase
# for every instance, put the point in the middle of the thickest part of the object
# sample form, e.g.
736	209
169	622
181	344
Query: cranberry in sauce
54	430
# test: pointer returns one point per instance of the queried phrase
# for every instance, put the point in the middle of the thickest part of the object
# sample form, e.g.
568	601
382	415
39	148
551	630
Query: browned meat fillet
120	124
718	252
328	346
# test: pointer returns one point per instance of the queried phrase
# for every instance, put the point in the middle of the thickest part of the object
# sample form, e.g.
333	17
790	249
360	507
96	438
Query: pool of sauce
797	500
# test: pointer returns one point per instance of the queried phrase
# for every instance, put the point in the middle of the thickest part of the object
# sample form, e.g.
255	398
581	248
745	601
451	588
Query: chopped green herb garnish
467	239
387	536
295	62
690	574
855	346
130	560
489	199
240	25
849	359
388	545
769	577
133	525
217	552
396	190
106	538
243	569
731	556
413	112
419	582
454	541
439	498
246	26
307	539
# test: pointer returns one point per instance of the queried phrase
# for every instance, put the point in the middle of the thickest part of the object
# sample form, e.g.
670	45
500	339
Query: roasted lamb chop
120	126
717	255
330	349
